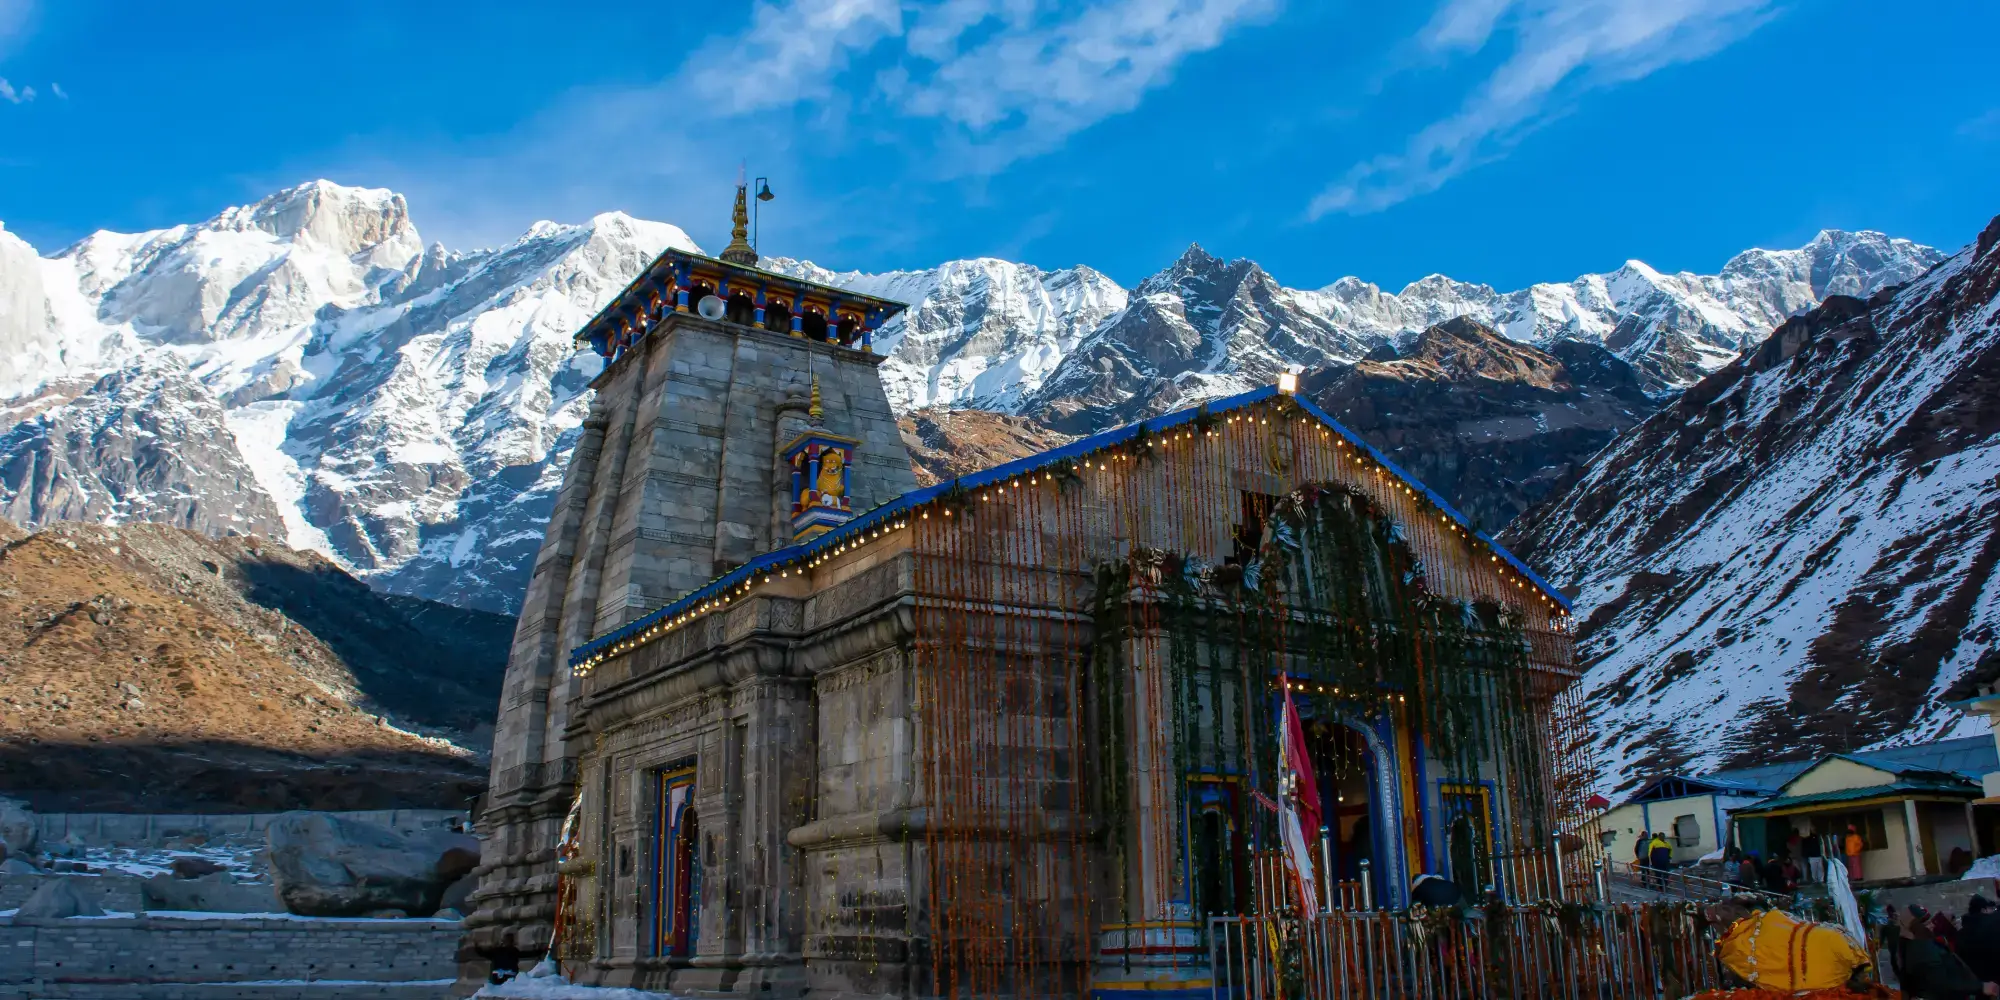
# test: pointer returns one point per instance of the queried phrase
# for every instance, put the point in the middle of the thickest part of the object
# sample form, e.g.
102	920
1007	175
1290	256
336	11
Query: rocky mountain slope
152	668
305	367
1797	555
1490	422
945	444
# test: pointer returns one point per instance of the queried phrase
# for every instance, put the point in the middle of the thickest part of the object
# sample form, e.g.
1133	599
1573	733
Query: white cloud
11	95
14	18
1036	79
1560	49
56	89
946	88
789	53
1985	126
1019	74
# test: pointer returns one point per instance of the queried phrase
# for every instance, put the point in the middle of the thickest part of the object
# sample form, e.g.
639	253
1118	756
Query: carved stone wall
672	482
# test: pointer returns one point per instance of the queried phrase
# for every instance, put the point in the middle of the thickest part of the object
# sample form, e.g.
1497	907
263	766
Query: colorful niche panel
820	462
676	862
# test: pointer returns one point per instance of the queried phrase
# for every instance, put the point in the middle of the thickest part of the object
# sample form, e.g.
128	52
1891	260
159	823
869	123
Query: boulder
189	867
58	898
330	866
18	831
458	896
18	866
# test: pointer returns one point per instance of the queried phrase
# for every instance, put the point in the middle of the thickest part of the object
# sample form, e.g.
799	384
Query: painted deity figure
831	485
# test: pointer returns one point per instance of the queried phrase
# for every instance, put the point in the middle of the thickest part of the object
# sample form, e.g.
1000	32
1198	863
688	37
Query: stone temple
779	723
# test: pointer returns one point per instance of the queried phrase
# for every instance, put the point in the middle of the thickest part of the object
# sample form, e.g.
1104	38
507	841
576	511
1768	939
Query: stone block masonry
676	478
155	957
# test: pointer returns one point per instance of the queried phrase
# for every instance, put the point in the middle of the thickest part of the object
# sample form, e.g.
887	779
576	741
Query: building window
1249	530
778	316
1687	831
1874	836
676	862
742	308
813	324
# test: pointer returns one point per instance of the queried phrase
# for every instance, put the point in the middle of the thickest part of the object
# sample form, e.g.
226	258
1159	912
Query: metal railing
1564	952
1677	884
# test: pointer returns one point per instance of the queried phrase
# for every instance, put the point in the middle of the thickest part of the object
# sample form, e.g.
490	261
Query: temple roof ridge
631	298
717	590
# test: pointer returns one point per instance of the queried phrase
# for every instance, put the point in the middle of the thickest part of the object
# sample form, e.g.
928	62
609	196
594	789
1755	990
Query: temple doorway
1221	879
1344	765
1467	813
676	862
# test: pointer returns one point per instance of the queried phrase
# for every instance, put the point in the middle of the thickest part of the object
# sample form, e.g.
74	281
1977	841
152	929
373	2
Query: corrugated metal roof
1969	757
887	513
1764	779
1917	783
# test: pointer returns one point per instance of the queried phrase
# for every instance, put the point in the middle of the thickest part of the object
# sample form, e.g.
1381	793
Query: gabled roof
1679	786
893	514
1927	783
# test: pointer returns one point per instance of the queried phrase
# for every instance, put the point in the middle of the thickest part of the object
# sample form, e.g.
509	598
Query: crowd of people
1936	957
1800	861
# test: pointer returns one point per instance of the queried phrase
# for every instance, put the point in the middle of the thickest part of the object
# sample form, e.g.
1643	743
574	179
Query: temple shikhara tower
779	723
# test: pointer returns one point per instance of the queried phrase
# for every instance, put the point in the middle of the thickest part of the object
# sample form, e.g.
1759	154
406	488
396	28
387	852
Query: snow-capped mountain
408	409
1206	327
1797	554
980	333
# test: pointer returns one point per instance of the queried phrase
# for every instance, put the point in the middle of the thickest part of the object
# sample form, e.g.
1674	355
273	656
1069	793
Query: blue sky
1504	141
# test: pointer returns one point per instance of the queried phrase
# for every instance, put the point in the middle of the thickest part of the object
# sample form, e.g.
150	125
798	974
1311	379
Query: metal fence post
1367	887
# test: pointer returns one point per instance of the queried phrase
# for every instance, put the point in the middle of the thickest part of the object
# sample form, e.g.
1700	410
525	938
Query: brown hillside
151	668
946	444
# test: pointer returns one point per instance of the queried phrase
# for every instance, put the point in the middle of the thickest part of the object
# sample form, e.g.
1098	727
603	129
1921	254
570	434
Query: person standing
1773	875
1979	939
1852	848
1932	973
1809	849
1661	857
1746	871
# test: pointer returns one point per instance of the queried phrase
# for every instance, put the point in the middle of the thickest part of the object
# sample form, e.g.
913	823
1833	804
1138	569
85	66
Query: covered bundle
1773	952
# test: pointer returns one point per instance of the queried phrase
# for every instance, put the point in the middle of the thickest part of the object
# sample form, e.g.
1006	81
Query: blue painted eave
887	513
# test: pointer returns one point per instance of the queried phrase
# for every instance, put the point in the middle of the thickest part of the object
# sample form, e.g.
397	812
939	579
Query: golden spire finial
815	410
739	250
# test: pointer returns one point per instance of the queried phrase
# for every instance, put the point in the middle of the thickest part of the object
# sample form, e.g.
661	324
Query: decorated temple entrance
676	883
1350	792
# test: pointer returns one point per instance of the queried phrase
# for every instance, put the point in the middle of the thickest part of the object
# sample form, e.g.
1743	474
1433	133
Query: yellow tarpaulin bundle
1772	951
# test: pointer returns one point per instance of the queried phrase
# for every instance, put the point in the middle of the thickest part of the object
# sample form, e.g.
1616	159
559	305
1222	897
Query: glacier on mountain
408	409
